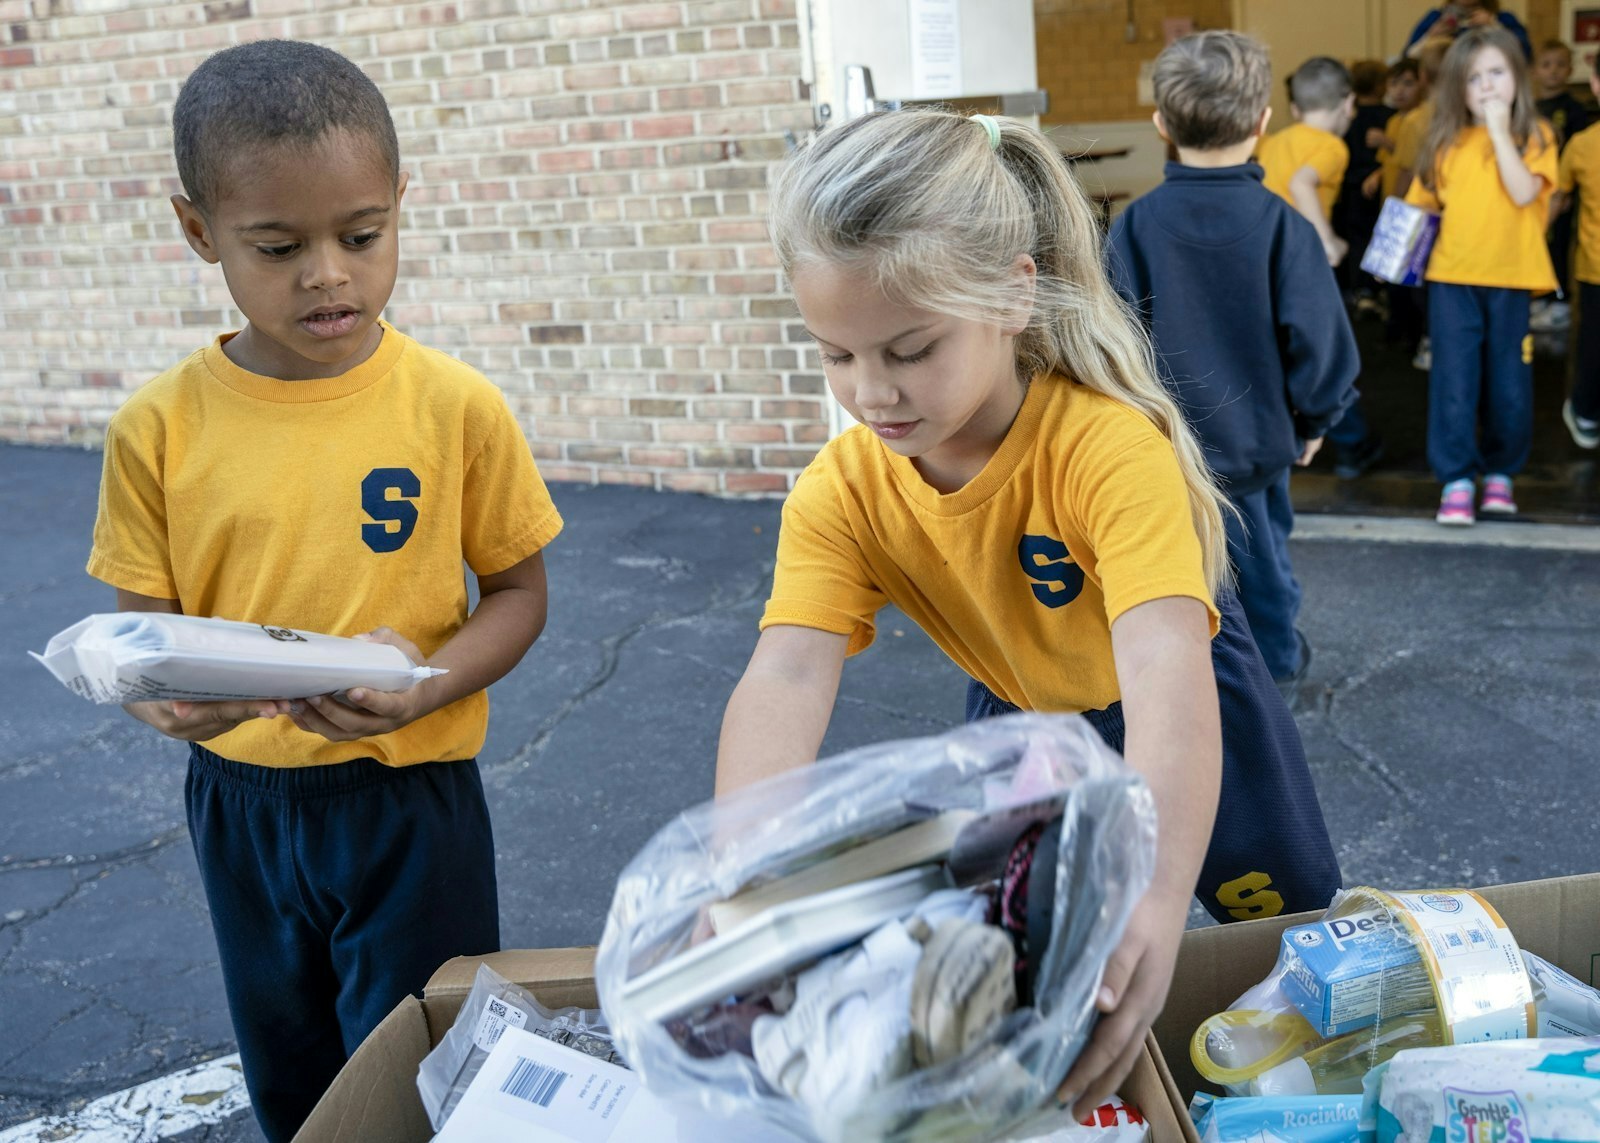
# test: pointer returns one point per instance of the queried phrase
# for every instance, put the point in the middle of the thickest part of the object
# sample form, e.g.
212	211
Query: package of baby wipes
140	656
1516	1091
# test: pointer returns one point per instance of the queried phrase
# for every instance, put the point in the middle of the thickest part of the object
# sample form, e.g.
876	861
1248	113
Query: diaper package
1527	1091
141	656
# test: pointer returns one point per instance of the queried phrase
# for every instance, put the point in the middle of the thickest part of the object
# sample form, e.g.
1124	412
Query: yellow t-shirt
1580	170
1283	153
1080	515
1484	238
1408	135
335	505
1388	160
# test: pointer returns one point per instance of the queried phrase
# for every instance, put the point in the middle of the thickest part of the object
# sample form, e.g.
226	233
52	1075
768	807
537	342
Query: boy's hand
1376	139
1371	184
1132	992
202	721
364	712
1310	451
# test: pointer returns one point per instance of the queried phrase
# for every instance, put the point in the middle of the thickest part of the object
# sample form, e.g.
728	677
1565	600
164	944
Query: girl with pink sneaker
1488	166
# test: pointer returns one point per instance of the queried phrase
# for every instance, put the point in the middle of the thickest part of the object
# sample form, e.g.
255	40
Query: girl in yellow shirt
1488	165
1024	487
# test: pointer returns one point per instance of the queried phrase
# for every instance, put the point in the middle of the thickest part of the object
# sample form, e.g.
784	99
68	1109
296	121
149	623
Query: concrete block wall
584	221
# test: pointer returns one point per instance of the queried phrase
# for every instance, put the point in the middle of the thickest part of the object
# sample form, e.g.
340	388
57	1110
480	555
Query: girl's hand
1479	18
1497	117
364	712
1377	140
1371	184
202	721
1132	993
1335	248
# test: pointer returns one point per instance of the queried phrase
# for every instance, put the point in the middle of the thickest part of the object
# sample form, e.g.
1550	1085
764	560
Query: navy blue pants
1258	545
1269	851
1351	431
1482	374
335	891
1586	379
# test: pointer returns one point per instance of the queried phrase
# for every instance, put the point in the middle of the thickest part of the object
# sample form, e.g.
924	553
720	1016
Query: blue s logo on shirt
375	503
1045	560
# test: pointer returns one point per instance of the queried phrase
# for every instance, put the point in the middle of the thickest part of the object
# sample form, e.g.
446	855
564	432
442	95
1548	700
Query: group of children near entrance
1081	524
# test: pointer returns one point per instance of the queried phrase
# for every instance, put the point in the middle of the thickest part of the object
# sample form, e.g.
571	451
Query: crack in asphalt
9	864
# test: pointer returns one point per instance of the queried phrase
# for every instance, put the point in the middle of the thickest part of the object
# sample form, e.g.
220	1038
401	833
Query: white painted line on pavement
1485	533
204	1094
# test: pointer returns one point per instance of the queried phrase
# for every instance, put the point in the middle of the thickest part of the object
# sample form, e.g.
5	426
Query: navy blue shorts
1269	851
335	891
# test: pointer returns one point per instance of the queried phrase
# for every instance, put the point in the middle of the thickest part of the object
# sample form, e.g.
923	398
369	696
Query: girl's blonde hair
920	202
1450	113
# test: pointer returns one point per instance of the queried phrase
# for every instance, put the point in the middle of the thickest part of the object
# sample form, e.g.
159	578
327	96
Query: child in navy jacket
1248	324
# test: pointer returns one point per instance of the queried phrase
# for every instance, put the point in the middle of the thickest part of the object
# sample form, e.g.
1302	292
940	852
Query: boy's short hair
1405	66
1320	84
271	93
1553	46
1368	78
1211	89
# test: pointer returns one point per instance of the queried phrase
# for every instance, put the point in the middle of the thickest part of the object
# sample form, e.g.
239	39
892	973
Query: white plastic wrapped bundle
140	656
1104	862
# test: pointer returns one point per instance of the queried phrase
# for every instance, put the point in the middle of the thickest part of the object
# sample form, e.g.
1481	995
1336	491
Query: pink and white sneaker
1497	499
1455	504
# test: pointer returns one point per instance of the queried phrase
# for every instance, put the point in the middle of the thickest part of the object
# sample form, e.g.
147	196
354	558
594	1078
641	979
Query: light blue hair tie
990	128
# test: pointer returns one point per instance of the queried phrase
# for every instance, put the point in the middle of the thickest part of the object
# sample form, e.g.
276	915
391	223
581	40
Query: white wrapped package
1514	1091
141	656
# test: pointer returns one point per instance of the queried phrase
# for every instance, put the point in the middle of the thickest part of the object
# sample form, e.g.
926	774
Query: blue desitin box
1401	243
1341	974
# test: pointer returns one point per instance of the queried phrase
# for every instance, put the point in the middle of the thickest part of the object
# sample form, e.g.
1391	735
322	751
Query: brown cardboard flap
1149	1087
1559	919
375	1094
558	978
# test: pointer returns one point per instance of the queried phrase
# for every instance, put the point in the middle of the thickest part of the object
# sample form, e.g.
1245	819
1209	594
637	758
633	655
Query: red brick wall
584	221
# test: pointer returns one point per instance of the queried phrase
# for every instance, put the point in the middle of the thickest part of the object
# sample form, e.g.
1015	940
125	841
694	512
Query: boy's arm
511	613
1320	358
1174	739
779	712
1303	186
191	721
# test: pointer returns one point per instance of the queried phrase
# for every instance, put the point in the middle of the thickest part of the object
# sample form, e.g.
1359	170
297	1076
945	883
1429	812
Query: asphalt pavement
1450	717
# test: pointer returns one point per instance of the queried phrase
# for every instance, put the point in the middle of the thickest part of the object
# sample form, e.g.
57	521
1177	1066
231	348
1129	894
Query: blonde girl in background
1022	486
1488	165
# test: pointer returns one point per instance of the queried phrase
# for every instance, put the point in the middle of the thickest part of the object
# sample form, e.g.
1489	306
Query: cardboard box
1558	919
375	1096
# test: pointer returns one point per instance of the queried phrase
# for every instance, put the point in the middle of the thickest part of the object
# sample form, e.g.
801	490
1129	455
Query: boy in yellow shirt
1580	176
1305	162
320	470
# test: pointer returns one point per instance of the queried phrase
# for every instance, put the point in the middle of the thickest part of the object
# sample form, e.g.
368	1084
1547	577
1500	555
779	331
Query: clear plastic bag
1381	972
493	1005
1104	861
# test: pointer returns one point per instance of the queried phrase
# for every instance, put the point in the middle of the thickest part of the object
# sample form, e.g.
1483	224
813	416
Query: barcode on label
533	1082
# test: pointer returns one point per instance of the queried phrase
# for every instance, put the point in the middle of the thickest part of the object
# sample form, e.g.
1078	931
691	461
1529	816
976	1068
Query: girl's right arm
780	710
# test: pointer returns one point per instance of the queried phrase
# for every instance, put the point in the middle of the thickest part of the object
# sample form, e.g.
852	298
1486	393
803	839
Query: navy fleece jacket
1249	328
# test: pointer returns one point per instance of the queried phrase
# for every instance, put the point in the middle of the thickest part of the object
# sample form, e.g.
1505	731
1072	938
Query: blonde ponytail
919	200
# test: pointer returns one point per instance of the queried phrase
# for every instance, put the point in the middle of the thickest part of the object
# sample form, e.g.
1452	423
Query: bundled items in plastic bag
1378	974
494	1005
1529	1091
909	937
142	656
